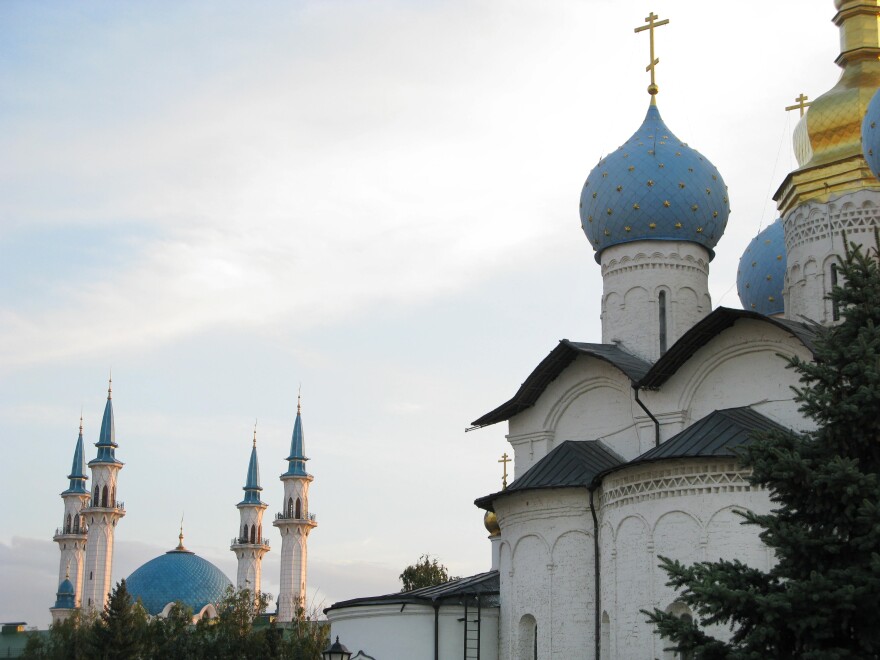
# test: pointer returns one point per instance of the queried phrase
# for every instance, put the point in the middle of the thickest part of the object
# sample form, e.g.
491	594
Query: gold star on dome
666	203
636	206
652	225
681	184
650	182
631	168
619	188
678	225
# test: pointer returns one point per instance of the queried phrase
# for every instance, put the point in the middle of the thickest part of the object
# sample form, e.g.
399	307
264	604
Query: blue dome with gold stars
761	273
871	134
178	575
654	187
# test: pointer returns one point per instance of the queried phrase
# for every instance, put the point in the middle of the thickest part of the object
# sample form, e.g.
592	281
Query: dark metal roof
554	364
482	584
709	328
720	433
574	463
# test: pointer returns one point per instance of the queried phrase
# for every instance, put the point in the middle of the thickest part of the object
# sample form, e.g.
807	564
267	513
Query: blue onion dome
65	596
654	187
761	272
178	575
871	135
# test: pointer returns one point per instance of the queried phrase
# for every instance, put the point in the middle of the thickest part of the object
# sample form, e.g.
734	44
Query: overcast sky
375	199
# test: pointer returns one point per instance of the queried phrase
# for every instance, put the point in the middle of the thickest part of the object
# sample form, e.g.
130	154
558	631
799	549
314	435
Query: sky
375	201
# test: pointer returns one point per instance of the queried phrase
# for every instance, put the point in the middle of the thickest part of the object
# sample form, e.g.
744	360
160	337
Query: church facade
626	449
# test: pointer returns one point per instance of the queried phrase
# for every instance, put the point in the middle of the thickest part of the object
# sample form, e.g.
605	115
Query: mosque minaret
249	545
71	536
294	522
102	514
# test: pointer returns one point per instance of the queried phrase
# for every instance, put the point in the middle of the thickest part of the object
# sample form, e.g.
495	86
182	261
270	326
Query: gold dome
490	522
833	123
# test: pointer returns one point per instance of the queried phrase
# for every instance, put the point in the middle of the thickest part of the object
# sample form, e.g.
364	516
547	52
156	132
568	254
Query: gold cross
652	24
801	104
504	460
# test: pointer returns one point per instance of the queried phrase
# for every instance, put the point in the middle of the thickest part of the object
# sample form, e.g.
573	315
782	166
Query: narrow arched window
298	508
75	524
253	533
835	308
67	525
662	311
289	507
96	500
104	496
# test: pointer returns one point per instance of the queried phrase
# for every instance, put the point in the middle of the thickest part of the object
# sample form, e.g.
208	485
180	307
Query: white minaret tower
295	522
71	536
102	514
250	546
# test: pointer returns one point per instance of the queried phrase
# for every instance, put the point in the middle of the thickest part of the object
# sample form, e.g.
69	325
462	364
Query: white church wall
589	400
739	367
546	573
681	509
392	631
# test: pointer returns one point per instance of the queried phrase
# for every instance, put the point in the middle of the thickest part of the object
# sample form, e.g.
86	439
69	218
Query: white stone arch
574	392
649	531
670	512
526	638
207	612
723	510
607	531
635	295
570	532
707	367
534	535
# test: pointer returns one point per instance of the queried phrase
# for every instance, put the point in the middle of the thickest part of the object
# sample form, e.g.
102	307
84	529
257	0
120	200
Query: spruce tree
821	599
120	631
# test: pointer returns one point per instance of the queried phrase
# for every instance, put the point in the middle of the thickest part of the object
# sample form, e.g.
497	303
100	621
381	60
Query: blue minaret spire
107	439
252	485
77	474
297	459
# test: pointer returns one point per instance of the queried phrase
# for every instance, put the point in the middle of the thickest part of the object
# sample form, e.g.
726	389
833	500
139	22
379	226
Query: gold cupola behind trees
834	120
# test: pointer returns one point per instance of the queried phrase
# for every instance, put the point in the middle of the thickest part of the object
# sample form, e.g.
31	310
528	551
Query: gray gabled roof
572	464
709	328
554	364
720	433
482	584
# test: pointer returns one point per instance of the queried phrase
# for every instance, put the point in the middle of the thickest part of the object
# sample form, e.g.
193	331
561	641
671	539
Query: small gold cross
505	459
800	105
652	24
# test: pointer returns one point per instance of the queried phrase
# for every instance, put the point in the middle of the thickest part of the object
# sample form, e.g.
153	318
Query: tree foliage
426	572
821	599
240	632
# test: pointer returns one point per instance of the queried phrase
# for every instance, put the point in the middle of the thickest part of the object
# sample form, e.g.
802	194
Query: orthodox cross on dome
505	459
800	105
652	24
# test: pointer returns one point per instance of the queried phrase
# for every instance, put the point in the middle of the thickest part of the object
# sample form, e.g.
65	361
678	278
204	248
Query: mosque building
625	450
178	576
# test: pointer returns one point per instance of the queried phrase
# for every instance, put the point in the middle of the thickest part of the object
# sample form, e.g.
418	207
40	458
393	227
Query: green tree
120	632
822	597
426	572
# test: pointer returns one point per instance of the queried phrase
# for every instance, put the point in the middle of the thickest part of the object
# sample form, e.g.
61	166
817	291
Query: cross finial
255	434
110	386
299	399
800	105
652	24
505	459
80	422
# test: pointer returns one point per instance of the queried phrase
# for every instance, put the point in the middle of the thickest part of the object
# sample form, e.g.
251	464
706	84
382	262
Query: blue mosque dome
871	134
654	187
178	575
761	272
